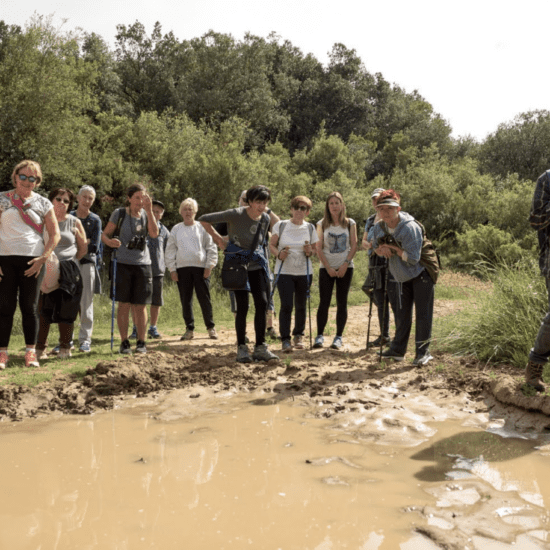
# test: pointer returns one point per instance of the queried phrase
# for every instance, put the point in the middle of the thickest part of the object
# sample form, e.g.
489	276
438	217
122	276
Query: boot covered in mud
533	376
261	353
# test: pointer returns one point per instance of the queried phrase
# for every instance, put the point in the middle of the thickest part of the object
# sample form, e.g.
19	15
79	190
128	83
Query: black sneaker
380	341
125	347
390	354
141	347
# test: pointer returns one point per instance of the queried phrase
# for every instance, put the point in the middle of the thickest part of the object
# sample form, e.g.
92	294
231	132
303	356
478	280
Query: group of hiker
48	265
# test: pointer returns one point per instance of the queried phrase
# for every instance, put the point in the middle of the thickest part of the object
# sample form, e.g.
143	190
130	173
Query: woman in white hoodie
190	257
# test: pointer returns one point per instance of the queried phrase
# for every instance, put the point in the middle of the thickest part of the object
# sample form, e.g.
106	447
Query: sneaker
3	359
212	333
287	346
64	353
261	353
298	341
41	354
125	347
85	347
337	343
422	359
242	354
319	341
31	359
153	332
272	333
389	354
133	336
141	347
380	341
189	335
55	351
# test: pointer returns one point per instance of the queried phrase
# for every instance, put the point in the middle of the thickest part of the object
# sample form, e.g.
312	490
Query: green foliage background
209	117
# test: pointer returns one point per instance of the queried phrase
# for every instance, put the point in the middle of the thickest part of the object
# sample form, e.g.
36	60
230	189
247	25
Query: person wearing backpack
291	243
134	276
399	238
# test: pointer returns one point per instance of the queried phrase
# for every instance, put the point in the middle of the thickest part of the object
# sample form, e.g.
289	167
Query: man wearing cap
399	238
157	247
375	282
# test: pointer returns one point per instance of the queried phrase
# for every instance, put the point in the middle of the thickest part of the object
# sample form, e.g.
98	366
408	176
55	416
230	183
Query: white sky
478	62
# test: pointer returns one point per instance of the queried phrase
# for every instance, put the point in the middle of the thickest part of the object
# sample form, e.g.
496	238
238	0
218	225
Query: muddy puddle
200	470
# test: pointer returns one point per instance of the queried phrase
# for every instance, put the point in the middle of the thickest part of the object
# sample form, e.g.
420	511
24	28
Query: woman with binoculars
133	287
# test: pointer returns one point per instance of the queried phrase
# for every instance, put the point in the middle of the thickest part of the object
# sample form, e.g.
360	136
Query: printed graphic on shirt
337	243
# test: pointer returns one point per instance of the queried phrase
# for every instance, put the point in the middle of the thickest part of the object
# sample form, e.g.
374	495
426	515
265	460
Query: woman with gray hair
87	265
190	257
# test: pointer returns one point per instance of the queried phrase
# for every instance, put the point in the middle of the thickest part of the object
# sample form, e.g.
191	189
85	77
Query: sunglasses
59	199
302	208
22	177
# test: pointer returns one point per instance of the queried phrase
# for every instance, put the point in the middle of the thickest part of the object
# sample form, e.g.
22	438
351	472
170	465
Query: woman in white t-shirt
291	242
336	248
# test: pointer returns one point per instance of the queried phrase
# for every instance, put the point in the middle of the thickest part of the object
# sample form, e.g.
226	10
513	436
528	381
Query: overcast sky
478	62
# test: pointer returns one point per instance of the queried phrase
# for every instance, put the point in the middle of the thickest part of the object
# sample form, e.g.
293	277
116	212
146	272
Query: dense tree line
211	116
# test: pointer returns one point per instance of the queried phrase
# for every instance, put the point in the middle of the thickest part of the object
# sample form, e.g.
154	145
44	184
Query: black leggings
259	287
12	284
326	285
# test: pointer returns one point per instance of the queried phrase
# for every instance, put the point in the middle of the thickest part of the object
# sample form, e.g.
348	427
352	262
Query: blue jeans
418	292
293	294
540	352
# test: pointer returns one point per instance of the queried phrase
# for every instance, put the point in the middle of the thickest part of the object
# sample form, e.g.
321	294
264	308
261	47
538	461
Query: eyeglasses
302	208
22	177
59	199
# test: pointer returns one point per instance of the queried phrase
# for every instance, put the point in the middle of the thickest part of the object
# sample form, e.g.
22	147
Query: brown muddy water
230	471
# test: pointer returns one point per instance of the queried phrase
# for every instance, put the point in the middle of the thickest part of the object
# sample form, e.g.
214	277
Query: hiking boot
390	354
212	334
188	335
422	359
133	336
153	332
319	341
298	342
337	343
242	354
31	359
3	359
533	376
141	347
287	346
380	341
272	333
64	353
41	354
261	353
125	347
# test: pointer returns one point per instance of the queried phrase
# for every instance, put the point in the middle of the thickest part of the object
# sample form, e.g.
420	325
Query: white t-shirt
17	238
295	237
336	244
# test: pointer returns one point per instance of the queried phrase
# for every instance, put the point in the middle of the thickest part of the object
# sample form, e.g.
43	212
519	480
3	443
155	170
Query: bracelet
347	261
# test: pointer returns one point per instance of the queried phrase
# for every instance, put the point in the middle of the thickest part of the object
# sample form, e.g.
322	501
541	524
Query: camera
136	243
387	239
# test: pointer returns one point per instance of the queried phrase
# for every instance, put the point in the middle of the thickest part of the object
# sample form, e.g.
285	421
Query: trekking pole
277	276
370	317
113	306
309	299
385	305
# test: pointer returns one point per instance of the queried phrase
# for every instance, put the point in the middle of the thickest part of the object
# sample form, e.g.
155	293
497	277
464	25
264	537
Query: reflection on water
248	477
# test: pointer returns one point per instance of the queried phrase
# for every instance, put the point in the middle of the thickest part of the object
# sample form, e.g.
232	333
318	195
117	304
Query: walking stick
277	276
309	299
370	317
386	307
113	306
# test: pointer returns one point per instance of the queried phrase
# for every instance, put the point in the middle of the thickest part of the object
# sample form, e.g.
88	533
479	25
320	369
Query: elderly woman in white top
23	216
190	257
